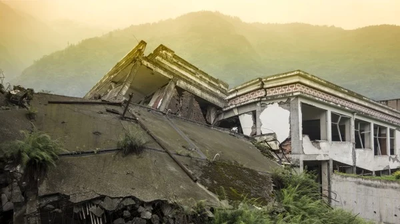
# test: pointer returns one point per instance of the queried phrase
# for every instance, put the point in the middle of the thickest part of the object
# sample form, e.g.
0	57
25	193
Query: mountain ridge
235	51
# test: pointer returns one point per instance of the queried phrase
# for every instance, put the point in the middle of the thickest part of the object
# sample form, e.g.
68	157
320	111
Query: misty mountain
24	38
364	60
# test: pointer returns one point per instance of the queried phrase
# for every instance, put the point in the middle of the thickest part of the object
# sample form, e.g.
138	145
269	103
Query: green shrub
132	143
396	175
35	154
244	214
31	113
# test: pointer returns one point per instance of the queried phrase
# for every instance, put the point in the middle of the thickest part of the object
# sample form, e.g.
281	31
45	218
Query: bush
35	154
242	215
31	113
132	143
396	175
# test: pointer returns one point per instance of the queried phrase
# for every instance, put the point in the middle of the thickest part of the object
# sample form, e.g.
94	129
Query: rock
141	209
8	206
16	195
155	219
145	215
166	209
7	192
97	211
137	220
4	199
110	204
48	207
128	201
119	221
126	214
57	210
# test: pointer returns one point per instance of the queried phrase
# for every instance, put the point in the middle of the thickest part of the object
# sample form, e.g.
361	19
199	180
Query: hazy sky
348	14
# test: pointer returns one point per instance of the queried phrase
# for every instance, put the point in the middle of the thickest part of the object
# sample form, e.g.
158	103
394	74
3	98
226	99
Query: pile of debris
128	210
18	96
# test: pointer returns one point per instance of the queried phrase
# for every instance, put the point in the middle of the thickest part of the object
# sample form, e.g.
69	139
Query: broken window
340	127
380	137
362	135
391	143
314	122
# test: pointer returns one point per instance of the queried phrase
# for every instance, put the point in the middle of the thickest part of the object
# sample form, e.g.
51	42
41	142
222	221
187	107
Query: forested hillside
365	60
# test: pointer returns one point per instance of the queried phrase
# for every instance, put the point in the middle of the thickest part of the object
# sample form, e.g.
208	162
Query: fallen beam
85	102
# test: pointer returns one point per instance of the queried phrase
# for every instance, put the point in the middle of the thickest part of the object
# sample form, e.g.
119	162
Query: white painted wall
275	119
375	200
247	122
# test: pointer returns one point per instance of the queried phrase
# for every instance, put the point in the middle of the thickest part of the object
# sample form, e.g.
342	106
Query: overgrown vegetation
394	177
297	200
31	114
265	150
35	154
133	142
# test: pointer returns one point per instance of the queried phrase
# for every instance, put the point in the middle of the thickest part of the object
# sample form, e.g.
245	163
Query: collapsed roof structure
189	118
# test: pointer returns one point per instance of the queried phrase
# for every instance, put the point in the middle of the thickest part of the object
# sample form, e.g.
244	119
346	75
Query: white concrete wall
247	122
275	119
375	200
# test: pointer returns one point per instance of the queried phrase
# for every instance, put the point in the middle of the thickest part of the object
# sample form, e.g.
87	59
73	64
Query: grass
297	200
132	142
35	154
394	177
31	114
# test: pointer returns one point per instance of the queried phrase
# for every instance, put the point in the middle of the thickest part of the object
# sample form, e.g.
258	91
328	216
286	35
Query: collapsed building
189	119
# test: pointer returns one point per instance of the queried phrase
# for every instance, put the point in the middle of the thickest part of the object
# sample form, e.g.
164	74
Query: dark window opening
314	122
339	127
391	146
362	131
312	129
380	135
232	124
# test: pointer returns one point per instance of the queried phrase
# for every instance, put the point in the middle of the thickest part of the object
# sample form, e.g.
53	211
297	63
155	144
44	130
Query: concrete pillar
372	138
324	125
388	141
168	94
353	141
258	120
296	126
330	176
329	125
325	179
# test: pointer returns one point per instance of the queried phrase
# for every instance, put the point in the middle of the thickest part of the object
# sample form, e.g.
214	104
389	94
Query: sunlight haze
348	14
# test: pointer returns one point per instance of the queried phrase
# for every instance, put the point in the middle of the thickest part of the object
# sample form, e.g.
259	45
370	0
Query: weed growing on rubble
36	153
132	143
31	114
297	200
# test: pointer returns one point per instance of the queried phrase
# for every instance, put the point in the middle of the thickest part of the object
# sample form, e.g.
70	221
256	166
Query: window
391	143
362	134
380	136
340	127
314	122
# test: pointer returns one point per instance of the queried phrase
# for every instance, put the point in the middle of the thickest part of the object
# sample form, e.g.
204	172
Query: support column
296	126
388	142
330	176
353	142
329	125
258	120
325	179
168	93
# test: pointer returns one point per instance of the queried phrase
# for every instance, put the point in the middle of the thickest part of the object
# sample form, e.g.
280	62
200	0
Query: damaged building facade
318	125
190	118
165	82
328	127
